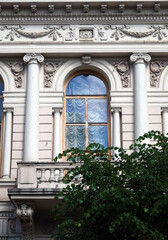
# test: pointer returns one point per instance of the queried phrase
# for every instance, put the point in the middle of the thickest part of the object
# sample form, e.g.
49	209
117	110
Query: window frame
86	97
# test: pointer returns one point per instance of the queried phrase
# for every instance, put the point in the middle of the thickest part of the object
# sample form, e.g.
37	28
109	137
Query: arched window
86	115
1	123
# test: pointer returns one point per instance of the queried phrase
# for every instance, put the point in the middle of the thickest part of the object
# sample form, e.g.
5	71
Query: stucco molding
50	69
81	33
25	214
101	66
123	70
156	69
17	69
6	76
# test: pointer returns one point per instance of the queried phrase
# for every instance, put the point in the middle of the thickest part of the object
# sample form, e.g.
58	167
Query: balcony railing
42	174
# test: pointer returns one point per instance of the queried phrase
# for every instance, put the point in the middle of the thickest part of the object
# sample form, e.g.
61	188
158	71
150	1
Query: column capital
57	109
140	57
33	58
7	109
164	109
115	109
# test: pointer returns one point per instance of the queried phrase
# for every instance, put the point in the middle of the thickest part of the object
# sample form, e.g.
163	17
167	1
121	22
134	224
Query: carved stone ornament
50	69
86	59
33	57
103	8
75	33
50	8
121	7
123	69
25	214
85	34
156	69
85	8
17	68
140	57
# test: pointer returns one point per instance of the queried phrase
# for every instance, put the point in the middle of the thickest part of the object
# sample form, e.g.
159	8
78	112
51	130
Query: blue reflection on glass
75	137
0	109
97	110
98	134
1	87
86	85
75	110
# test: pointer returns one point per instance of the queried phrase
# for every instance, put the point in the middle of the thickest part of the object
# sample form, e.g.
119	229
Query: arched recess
8	85
163	82
97	65
1	121
7	77
101	67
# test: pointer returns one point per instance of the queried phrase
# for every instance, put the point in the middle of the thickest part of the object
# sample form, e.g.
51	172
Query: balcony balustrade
42	174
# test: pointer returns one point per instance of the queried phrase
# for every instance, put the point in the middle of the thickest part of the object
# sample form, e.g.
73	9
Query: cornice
95	18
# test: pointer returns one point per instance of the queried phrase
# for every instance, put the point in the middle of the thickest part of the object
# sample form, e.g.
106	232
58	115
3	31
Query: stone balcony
42	174
41	179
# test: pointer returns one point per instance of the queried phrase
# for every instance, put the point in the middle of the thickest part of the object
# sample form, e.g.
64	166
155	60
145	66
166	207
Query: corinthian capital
33	58
140	57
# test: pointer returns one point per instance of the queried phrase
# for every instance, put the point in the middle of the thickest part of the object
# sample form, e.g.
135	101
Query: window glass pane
1	87
0	109
98	134
86	85
97	110
75	110
75	137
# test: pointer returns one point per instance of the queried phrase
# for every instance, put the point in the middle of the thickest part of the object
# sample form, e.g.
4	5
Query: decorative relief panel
85	34
156	69
123	69
50	69
77	33
17	68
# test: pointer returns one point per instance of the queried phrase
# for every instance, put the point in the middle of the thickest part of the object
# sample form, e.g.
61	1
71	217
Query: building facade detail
165	119
156	69
43	104
31	137
116	120
17	68
6	162
77	33
50	69
139	61
86	59
123	69
25	214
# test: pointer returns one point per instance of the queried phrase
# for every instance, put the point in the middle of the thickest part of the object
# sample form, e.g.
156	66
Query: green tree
121	198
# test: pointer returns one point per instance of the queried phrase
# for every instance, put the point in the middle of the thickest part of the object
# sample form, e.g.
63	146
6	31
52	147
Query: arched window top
86	85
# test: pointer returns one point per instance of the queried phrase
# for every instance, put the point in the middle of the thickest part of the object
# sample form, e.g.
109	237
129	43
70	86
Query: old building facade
72	73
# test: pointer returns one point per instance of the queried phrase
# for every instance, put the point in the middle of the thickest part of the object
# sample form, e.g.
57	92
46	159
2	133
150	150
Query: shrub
121	197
